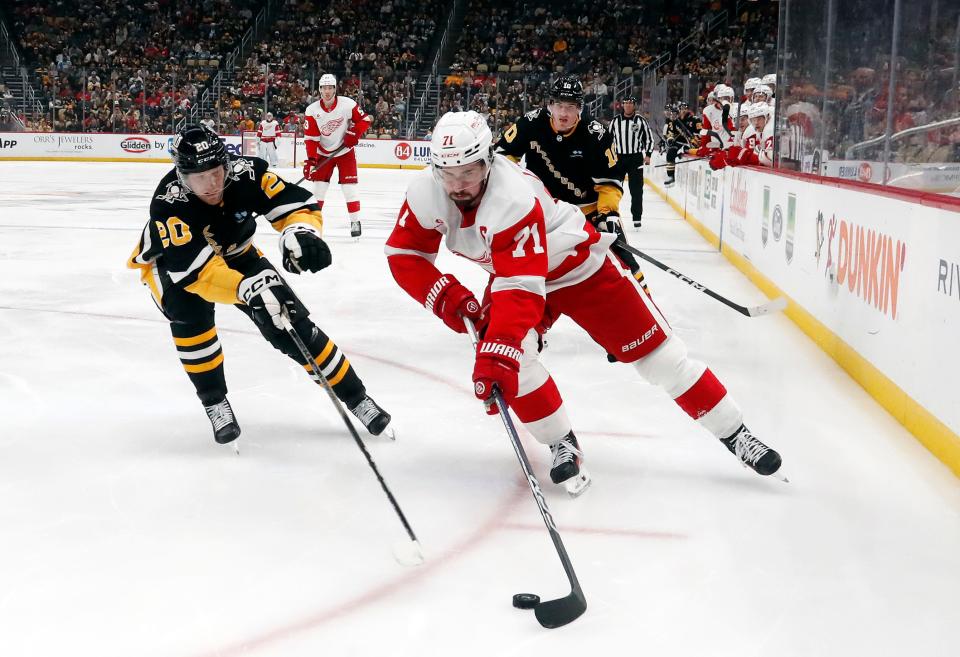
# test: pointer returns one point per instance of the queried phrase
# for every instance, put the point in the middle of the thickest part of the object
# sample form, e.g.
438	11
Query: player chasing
544	259
197	251
267	132
575	159
333	126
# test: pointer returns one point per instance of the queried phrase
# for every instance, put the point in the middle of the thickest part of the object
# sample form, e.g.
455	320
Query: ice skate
752	452
566	468
374	418
355	229
225	427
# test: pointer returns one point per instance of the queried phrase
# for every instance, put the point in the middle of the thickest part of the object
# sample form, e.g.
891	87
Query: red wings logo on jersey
331	126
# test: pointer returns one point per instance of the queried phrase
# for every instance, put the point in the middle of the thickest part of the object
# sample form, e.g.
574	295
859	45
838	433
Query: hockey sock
202	358
335	368
352	196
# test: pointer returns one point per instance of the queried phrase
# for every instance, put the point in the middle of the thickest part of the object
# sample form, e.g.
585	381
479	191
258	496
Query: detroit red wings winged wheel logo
330	126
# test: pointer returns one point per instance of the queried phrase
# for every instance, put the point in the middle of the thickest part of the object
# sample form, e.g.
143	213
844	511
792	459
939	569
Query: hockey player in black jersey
574	158
681	132
197	251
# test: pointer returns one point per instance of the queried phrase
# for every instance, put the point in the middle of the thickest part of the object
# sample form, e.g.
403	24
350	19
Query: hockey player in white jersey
267	132
764	94
332	128
544	260
716	119
748	88
757	142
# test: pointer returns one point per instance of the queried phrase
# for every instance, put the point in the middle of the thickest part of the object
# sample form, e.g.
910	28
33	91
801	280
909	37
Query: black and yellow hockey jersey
189	243
579	166
683	131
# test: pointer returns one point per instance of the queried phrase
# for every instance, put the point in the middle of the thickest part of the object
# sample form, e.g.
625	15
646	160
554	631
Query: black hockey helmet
682	105
197	148
568	89
630	99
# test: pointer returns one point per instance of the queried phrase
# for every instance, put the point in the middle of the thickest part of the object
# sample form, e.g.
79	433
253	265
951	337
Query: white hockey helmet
759	109
751	83
723	91
769	79
328	79
765	90
461	138
269	116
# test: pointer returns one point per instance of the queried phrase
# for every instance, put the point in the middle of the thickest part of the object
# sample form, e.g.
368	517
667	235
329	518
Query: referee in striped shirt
633	141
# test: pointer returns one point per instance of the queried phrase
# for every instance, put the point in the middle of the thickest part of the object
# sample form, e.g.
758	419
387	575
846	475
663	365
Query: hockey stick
322	162
676	164
552	613
407	554
773	306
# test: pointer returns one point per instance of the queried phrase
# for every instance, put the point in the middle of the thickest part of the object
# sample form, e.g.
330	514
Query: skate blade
390	433
578	484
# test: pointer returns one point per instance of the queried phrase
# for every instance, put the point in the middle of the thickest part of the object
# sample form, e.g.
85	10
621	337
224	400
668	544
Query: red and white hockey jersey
530	243
713	121
267	131
764	145
749	138
325	127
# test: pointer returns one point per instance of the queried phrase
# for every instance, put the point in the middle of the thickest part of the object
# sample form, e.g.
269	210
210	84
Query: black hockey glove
609	222
267	296
302	249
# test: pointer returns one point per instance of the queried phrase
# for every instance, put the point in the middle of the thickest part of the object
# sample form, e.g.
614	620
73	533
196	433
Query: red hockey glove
748	157
733	153
718	161
351	138
498	364
451	302
311	169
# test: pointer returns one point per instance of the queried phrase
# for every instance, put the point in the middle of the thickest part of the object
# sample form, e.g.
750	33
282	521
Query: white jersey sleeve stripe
533	284
198	262
392	250
287	208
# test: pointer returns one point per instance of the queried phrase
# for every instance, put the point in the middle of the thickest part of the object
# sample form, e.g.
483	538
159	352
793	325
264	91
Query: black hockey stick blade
776	305
557	613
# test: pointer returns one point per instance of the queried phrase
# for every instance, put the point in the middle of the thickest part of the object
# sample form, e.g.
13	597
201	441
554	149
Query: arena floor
125	530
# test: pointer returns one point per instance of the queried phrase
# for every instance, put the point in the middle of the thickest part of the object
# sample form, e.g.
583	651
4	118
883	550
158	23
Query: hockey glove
302	249
718	160
351	138
609	222
311	169
451	302
267	295
497	364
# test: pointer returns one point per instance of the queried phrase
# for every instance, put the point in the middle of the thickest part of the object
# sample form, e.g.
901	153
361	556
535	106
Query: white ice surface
126	531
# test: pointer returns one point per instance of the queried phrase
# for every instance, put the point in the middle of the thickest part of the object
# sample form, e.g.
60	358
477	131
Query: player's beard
471	202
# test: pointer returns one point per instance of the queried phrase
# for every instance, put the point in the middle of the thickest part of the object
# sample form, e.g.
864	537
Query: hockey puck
526	600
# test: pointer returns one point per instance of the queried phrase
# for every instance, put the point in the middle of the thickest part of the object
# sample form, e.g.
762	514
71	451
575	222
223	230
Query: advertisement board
873	278
120	147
